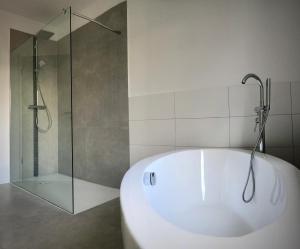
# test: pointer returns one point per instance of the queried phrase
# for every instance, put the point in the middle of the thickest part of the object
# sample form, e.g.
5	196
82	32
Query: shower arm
96	22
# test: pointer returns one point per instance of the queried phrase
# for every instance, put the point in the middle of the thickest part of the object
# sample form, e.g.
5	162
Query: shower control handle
36	107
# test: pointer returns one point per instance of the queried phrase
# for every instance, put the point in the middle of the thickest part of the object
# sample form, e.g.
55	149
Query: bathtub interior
201	191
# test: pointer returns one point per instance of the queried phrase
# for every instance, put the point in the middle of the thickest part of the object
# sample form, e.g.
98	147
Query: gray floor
28	222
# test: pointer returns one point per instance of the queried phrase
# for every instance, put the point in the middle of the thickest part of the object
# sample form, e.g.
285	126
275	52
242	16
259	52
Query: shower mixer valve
36	107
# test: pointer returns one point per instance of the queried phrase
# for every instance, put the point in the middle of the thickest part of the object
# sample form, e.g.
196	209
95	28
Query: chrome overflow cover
150	178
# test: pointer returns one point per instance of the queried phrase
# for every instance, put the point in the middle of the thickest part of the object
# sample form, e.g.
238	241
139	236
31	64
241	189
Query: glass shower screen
41	114
69	116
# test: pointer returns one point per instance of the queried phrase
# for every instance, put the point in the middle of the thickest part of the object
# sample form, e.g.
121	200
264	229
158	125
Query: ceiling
41	10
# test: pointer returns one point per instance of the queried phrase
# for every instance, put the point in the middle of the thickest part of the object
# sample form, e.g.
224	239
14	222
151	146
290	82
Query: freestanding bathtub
193	199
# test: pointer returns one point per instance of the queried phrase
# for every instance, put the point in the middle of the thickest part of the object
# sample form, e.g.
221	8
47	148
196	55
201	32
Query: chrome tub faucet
263	108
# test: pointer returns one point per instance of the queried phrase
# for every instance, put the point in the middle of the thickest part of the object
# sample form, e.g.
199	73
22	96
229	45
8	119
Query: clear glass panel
21	137
89	107
45	137
100	108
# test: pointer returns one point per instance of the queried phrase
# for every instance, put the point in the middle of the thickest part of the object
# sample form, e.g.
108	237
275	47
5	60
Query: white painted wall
185	58
179	45
7	21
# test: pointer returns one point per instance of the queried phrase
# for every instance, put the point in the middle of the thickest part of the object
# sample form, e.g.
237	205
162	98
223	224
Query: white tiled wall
159	106
138	152
295	97
242	131
296	130
281	98
152	132
205	132
206	103
279	131
243	99
214	117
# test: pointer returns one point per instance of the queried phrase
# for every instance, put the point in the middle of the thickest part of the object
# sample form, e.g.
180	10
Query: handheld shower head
42	63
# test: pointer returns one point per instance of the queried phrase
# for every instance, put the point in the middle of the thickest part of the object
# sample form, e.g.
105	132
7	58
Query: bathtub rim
134	201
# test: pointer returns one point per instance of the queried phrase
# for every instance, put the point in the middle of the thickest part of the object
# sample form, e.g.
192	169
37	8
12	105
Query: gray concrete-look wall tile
47	80
100	101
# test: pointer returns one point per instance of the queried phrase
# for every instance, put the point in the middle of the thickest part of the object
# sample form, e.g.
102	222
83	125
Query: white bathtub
195	201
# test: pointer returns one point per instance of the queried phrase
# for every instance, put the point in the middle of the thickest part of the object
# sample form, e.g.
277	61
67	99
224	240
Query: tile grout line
293	141
210	117
152	145
204	146
163	119
175	128
229	115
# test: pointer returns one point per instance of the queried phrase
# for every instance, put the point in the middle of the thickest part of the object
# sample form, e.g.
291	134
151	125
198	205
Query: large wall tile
243	99
210	102
158	106
139	152
211	132
285	153
279	131
296	97
152	132
281	98
242	132
296	129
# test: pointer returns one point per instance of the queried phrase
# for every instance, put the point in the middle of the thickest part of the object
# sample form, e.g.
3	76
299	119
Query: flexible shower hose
251	172
49	118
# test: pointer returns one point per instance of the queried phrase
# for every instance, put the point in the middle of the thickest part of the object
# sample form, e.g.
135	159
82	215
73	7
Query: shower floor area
56	188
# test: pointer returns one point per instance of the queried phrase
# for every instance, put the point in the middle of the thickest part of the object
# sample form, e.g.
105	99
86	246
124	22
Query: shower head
42	63
44	35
